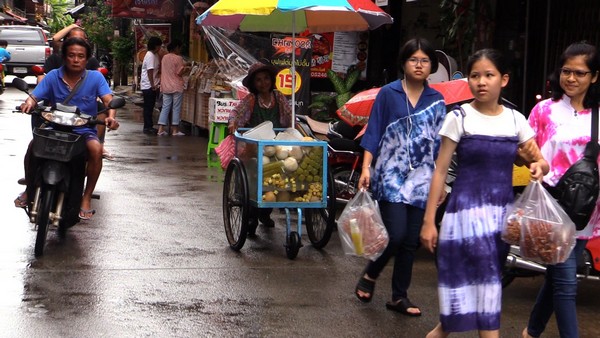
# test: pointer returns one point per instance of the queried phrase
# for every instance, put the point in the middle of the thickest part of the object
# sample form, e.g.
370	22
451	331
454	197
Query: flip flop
20	201
86	214
366	286
402	305
108	155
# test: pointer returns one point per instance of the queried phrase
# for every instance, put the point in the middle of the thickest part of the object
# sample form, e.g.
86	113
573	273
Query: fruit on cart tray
269	151
290	164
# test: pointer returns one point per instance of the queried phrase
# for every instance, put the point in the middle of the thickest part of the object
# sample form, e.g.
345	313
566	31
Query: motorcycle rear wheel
43	223
346	186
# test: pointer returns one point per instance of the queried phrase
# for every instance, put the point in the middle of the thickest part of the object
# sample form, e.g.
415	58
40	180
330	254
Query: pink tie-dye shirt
562	133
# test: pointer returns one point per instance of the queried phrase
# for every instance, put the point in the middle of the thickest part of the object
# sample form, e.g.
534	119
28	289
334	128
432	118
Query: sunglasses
566	72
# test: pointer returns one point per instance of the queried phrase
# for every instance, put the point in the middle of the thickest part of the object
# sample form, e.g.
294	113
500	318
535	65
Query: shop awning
75	9
15	17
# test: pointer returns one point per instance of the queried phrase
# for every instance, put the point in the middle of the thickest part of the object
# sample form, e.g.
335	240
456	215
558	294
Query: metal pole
526	55
546	42
293	69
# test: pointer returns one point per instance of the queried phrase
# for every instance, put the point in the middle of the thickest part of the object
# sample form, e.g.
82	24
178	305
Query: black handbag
577	190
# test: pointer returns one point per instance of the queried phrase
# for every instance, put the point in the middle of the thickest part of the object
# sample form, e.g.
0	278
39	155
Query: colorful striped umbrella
292	16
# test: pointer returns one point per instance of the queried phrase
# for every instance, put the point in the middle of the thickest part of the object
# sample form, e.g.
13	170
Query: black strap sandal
366	286
402	305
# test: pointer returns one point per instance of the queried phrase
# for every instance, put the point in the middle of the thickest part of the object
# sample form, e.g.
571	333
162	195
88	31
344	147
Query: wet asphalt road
153	262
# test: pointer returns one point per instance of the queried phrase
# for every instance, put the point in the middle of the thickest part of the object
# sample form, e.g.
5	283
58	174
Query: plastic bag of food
540	226
226	151
361	228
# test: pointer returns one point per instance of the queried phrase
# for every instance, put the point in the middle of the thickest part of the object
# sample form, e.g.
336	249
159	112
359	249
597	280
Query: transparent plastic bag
361	228
539	225
226	151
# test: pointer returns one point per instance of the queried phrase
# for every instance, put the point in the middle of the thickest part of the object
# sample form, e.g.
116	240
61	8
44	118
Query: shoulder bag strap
592	148
595	124
75	89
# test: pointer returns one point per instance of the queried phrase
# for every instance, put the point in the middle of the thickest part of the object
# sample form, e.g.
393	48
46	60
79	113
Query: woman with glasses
563	127
401	143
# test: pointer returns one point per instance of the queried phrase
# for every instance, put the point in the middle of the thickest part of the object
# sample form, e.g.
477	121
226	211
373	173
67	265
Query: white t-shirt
151	61
508	123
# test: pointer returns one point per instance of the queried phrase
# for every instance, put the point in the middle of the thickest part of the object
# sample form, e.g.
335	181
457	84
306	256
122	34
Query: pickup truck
28	46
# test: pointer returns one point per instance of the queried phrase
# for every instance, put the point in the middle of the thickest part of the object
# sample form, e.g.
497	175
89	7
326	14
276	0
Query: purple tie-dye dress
470	251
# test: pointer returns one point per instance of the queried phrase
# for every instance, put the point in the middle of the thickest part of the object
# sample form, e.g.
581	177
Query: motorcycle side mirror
116	102
21	84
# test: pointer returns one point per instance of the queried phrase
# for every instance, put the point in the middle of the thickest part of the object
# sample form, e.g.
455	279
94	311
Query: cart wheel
292	245
320	222
235	204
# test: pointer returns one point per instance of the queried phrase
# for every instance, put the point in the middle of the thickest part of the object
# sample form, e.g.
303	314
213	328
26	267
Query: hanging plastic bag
362	232
226	151
540	226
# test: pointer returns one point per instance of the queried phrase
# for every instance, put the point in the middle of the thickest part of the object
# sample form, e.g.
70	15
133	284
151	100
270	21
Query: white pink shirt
562	133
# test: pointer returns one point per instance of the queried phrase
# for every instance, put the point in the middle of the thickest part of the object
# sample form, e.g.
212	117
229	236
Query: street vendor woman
263	103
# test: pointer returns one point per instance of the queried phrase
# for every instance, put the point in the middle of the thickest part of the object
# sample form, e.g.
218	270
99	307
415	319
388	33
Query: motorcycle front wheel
43	220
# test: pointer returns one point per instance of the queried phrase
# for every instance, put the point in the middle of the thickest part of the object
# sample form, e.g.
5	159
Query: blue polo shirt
4	55
404	142
53	89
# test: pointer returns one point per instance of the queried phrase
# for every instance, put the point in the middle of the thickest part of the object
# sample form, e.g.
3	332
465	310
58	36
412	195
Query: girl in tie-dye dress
485	136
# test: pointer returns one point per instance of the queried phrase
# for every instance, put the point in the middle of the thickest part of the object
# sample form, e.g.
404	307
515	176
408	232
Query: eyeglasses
578	73
415	61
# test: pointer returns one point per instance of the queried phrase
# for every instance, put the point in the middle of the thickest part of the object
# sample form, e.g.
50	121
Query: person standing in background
563	128
401	143
4	56
150	82
171	85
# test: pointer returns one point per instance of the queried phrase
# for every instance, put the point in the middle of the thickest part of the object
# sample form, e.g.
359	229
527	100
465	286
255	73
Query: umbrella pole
293	69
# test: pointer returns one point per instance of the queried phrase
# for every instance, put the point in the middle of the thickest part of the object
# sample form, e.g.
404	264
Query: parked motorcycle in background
57	167
106	65
344	154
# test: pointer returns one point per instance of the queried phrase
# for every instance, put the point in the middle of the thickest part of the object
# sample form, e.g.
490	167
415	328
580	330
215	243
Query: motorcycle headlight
65	119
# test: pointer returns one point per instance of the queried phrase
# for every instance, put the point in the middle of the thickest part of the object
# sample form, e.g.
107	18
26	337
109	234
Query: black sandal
366	286
402	305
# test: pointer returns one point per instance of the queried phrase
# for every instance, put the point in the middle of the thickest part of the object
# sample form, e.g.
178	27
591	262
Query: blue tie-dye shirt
404	144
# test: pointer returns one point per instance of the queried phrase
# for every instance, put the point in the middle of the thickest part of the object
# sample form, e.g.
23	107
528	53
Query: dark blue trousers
403	223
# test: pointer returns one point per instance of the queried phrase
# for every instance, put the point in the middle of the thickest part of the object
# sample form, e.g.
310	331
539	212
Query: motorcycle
57	167
106	67
344	154
588	265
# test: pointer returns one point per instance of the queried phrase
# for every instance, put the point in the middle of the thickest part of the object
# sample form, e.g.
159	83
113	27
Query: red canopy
357	110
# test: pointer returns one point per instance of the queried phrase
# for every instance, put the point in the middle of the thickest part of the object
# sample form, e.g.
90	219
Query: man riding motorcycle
86	85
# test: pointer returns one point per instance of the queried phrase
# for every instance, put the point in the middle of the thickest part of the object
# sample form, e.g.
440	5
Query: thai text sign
147	9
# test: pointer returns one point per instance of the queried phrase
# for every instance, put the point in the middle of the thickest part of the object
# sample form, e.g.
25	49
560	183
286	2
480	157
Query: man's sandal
402	305
21	201
86	214
365	286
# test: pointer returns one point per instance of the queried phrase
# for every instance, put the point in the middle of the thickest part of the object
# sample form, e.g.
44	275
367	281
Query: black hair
75	29
271	74
76	41
592	60
3	43
173	45
495	57
154	42
413	45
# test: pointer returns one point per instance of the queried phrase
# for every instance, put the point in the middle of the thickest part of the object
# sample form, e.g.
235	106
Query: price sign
283	81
